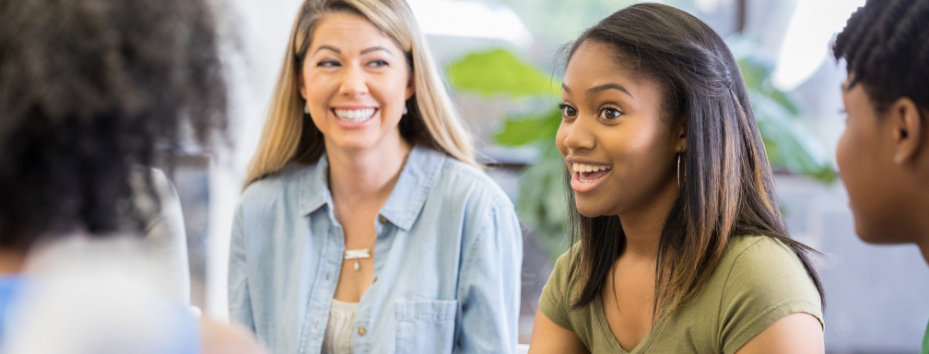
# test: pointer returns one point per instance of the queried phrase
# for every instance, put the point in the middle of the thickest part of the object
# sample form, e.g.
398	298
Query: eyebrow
334	49
610	86
366	51
374	49
604	87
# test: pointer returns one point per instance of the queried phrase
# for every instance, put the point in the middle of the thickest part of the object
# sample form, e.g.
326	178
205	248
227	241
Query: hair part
291	136
727	186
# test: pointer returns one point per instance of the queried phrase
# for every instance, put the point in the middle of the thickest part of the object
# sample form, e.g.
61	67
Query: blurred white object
94	296
165	236
806	44
470	19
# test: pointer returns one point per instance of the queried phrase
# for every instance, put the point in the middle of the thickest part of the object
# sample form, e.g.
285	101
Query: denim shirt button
362	331
382	219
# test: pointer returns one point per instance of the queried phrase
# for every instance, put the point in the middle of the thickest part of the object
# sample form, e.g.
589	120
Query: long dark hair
726	184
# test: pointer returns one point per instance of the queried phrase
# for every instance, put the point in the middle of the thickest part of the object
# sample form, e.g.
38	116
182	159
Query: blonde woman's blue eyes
610	113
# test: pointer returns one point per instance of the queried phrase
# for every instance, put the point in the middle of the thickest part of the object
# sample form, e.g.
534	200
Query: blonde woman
366	225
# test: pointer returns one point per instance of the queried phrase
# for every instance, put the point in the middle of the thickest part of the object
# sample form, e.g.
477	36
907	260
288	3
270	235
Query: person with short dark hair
89	91
883	155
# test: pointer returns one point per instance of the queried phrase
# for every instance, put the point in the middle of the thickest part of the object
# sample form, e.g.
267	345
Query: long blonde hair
290	135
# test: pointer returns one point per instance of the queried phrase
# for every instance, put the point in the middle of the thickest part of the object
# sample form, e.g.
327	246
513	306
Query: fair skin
216	338
612	121
356	81
883	159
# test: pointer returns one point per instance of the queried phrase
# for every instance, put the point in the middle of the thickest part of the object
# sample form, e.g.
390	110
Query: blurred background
501	62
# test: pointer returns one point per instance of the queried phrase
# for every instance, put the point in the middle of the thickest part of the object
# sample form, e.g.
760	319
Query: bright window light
471	20
806	43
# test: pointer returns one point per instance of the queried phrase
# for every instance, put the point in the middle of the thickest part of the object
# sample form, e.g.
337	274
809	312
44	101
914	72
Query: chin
588	208
879	235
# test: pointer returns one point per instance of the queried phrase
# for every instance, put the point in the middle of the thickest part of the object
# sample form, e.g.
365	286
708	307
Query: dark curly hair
90	89
886	46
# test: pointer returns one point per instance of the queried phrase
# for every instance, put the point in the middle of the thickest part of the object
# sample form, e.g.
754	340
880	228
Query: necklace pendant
357	266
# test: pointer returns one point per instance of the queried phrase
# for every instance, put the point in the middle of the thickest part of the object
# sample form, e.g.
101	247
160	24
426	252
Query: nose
579	134
354	83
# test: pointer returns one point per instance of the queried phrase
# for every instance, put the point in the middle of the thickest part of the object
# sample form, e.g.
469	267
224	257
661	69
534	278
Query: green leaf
542	202
524	129
500	72
789	146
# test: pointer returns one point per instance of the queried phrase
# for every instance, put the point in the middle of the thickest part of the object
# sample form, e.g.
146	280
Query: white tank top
338	336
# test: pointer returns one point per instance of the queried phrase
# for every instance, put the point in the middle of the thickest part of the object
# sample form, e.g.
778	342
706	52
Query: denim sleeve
240	308
489	288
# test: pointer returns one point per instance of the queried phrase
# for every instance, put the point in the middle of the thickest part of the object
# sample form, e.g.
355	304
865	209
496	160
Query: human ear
411	85
908	127
681	134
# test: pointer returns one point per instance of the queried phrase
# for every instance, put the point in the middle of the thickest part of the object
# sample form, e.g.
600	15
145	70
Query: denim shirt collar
405	201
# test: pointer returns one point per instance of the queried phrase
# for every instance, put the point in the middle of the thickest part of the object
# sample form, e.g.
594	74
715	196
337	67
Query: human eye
378	63
610	113
567	111
328	64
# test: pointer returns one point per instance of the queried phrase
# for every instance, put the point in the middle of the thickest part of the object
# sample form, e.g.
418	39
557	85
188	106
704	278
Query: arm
490	284
550	338
240	308
222	339
797	333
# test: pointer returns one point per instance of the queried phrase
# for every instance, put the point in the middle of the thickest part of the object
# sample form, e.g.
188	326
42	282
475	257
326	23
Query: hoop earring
306	108
678	170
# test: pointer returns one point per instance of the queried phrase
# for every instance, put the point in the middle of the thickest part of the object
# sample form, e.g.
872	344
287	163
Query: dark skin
613	121
883	158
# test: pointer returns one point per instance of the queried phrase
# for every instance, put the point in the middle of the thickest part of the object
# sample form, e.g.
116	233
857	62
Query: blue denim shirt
446	263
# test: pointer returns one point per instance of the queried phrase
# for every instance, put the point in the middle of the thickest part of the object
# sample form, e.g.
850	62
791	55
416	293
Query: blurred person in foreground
883	155
90	91
366	224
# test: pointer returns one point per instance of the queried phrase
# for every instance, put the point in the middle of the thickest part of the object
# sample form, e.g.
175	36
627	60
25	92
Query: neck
642	226
920	226
11	262
366	175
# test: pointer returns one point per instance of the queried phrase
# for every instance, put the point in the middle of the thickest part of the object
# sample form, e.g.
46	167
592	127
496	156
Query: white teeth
354	115
579	167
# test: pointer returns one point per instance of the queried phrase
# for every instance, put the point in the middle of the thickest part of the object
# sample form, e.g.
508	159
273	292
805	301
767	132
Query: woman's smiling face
356	81
620	151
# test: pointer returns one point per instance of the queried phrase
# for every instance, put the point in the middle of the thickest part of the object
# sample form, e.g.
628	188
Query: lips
354	115
586	177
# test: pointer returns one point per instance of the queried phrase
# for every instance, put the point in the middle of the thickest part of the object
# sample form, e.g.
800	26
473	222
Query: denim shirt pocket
426	326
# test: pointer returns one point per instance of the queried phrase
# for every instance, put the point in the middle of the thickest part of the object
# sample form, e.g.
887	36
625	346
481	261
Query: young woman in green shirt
883	155
682	247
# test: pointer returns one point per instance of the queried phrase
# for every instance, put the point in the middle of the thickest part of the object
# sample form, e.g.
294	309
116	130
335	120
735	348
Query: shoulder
558	293
274	187
761	257
463	181
762	280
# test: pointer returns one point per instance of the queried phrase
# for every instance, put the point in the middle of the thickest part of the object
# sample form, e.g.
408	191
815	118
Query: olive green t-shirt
758	281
